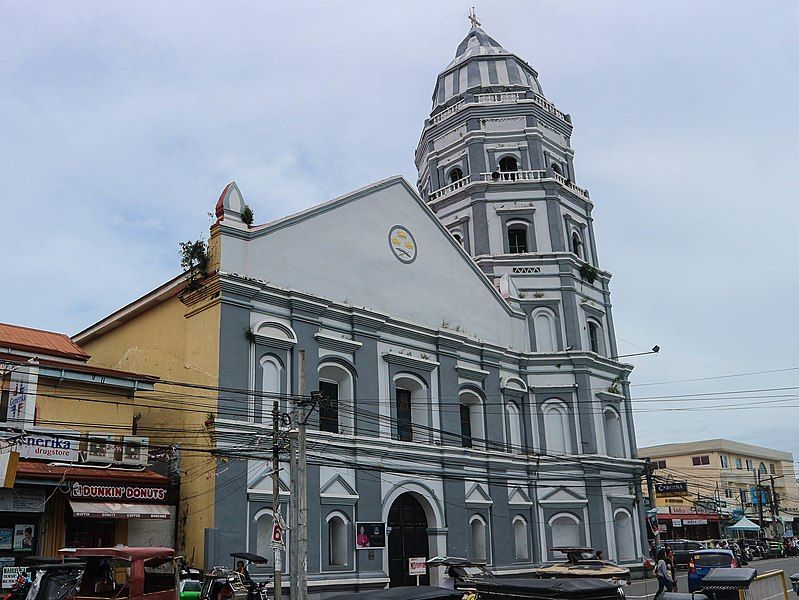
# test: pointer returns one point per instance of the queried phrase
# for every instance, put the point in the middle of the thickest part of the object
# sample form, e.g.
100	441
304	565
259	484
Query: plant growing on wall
589	273
194	260
247	216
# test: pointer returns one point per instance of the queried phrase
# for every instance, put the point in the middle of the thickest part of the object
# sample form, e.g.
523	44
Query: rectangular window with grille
404	422
700	460
517	240
328	408
466	426
659	464
725	461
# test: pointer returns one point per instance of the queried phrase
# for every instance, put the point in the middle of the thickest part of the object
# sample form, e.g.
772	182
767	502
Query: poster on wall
369	536
6	538
23	538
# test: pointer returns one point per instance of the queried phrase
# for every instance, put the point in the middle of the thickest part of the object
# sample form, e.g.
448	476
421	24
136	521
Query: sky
122	122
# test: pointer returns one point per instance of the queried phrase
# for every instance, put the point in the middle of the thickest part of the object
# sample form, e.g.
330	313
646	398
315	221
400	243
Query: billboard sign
370	535
672	487
59	446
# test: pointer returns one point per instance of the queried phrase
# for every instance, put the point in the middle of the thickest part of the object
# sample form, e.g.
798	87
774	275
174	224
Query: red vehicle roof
126	552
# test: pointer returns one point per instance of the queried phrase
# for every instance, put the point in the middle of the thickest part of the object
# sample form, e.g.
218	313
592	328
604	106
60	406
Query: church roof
482	65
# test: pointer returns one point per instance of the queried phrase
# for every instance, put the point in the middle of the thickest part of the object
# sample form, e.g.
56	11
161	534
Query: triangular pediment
518	497
478	495
383	249
337	488
562	495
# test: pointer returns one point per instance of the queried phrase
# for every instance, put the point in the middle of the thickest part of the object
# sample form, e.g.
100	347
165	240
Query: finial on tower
473	18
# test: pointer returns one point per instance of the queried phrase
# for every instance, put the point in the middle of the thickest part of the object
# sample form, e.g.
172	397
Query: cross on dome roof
473	18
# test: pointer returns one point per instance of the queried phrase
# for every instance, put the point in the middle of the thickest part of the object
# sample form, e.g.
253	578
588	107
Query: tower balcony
501	98
508	177
448	189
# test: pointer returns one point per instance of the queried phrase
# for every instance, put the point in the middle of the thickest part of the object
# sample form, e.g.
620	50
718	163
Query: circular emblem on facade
402	243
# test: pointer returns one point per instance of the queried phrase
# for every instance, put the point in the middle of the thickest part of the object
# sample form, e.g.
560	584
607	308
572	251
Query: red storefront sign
103	491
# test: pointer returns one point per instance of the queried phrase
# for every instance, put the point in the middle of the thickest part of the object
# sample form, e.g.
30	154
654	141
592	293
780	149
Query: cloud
122	123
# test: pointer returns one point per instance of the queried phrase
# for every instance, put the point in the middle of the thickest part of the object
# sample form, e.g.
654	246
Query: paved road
641	590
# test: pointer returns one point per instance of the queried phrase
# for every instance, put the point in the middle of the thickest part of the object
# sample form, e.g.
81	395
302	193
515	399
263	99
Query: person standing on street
672	564
663	574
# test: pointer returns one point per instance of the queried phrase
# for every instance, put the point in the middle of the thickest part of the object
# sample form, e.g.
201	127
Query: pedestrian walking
665	580
672	564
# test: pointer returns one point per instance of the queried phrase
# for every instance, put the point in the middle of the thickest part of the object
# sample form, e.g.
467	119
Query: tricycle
149	573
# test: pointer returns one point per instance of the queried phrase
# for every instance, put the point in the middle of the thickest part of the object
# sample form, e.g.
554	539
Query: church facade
461	337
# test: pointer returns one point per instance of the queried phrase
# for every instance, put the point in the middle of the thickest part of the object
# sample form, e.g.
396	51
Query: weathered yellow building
173	332
724	473
83	478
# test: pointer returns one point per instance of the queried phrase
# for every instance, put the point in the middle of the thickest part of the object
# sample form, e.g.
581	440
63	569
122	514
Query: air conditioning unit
135	451
100	448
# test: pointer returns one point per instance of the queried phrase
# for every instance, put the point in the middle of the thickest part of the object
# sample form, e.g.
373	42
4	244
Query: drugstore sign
60	446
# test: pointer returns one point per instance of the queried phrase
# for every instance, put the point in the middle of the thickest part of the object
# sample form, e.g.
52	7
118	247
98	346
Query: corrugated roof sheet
37	340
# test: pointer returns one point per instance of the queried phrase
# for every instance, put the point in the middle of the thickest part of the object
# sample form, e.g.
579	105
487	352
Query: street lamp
655	349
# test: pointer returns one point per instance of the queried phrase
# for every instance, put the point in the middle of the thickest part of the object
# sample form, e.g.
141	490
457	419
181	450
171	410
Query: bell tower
495	164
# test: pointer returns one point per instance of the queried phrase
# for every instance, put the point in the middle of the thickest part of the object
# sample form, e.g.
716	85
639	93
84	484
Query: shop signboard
59	446
670	488
22	499
101	491
695	521
682	510
676	522
369	536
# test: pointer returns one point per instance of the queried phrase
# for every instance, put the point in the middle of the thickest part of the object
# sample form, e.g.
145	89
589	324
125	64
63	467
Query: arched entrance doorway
407	539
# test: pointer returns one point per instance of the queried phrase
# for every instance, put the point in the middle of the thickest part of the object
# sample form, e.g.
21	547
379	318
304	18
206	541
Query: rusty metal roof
35	341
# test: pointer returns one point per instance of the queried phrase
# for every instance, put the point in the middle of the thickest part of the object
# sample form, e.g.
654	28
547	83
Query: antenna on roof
473	18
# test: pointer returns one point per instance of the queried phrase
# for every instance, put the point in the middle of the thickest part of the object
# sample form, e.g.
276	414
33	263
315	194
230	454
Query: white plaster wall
152	532
344	253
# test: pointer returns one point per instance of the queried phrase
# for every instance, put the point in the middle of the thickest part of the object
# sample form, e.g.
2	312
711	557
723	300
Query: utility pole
650	484
759	497
276	493
299	491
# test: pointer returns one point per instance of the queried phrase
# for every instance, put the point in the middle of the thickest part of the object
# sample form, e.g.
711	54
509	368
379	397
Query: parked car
582	562
704	561
683	549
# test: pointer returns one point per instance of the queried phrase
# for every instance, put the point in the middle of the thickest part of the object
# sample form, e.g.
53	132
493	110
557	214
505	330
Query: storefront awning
115	510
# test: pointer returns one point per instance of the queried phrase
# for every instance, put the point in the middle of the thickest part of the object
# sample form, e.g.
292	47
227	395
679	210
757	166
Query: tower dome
482	65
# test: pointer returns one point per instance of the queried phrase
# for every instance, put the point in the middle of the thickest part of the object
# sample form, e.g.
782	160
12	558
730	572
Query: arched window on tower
508	164
455	175
577	244
595	341
517	238
614	436
556	427
514	428
546	335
